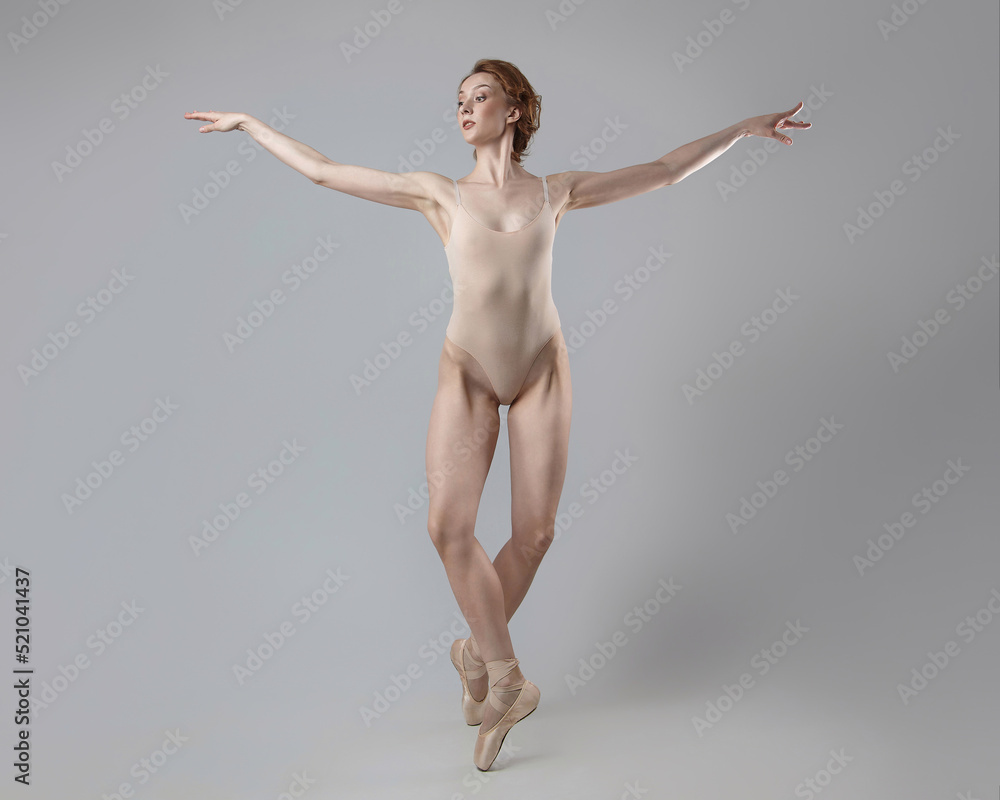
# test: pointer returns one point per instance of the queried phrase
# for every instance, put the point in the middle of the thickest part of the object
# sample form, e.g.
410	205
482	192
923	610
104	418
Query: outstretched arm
588	189
404	190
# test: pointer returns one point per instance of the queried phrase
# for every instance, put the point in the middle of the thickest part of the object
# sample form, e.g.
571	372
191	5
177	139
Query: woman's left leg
538	424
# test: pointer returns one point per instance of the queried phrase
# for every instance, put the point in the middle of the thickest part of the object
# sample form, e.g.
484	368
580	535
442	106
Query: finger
795	110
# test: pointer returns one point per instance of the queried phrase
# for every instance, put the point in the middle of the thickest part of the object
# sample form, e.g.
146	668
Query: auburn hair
519	93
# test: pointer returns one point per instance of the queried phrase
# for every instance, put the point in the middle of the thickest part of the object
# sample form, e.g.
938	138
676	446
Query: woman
503	346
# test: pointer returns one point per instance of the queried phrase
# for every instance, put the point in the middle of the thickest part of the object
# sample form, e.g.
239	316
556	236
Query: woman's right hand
221	121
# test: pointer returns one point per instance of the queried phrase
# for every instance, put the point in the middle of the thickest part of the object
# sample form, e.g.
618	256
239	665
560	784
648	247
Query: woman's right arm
402	189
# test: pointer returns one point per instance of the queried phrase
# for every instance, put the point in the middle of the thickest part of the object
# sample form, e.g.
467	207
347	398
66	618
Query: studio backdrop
774	571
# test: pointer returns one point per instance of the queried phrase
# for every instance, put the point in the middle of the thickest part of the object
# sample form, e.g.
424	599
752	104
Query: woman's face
481	102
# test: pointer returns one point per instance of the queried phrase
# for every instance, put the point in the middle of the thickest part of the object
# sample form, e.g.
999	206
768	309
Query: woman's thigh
461	439
538	425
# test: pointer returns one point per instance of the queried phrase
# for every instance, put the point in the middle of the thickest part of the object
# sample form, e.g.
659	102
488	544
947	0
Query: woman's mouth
467	124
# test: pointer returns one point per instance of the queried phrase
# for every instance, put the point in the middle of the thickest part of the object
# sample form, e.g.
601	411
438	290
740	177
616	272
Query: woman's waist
509	307
524	320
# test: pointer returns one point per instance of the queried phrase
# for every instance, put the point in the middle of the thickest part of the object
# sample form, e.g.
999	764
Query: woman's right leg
461	440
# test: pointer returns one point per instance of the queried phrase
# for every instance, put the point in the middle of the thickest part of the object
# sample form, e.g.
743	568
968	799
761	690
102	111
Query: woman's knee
449	533
532	539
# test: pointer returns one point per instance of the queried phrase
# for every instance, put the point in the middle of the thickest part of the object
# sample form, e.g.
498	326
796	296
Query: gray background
877	101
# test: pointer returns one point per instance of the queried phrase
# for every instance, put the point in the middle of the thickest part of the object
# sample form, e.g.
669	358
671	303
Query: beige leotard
503	314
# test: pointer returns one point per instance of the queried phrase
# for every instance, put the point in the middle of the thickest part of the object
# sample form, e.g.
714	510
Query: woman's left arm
691	157
588	189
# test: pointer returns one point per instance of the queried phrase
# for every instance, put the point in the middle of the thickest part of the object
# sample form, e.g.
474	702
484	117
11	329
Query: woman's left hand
768	125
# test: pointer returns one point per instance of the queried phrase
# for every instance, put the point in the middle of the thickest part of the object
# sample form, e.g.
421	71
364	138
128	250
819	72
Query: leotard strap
458	197
545	188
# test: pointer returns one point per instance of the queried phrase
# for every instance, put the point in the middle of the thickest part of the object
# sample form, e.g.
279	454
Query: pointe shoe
472	709
488	743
